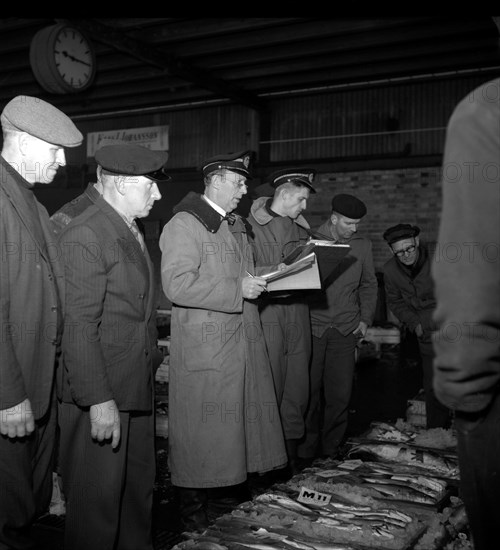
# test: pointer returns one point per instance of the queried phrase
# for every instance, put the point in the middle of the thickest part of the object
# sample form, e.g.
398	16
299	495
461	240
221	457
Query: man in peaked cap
154	168
35	135
223	417
340	314
278	227
109	345
409	290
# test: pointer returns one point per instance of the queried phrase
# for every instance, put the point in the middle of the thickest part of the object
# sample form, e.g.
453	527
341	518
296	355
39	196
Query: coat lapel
11	188
130	247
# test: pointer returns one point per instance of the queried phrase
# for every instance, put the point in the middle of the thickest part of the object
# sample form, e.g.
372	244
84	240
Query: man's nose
61	157
156	195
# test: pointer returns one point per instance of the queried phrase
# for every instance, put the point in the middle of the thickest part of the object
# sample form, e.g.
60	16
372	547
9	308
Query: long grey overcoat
223	416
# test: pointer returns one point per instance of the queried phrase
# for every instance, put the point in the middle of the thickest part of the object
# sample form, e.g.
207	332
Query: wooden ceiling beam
168	63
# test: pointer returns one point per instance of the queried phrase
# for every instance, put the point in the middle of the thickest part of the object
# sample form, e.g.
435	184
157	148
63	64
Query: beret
128	159
348	206
41	120
236	162
303	176
400	231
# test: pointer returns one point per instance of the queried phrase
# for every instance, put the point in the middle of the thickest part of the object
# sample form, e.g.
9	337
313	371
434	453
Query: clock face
74	58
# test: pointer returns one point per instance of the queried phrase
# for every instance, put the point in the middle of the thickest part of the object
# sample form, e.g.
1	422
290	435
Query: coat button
141	296
53	308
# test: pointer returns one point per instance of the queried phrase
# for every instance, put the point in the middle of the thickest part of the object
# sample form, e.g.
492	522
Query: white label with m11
310	496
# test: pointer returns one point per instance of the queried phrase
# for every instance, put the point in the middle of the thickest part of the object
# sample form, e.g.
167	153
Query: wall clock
62	59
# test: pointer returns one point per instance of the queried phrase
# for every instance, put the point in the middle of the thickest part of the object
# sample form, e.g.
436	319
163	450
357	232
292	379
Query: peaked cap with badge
301	176
236	162
40	119
400	232
348	206
127	159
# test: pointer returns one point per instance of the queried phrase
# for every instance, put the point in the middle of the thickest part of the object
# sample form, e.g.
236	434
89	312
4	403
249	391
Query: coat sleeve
368	288
12	388
397	304
85	284
198	271
467	344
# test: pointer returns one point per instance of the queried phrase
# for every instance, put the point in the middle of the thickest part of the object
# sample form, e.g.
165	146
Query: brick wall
410	195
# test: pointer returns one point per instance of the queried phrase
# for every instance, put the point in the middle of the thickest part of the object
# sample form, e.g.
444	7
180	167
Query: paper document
302	274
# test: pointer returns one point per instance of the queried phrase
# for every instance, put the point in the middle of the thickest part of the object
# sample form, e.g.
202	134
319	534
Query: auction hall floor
383	384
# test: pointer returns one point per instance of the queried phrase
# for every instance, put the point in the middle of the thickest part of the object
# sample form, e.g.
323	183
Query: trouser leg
25	482
308	446
338	383
438	416
92	475
478	437
135	531
296	387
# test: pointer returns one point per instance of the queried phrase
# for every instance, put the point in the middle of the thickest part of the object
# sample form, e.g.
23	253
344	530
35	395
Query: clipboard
300	275
328	255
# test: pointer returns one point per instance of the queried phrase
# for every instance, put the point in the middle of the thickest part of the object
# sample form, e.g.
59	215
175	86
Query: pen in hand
253	277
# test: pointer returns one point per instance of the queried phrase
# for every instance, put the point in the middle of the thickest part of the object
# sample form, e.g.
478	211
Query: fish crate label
310	496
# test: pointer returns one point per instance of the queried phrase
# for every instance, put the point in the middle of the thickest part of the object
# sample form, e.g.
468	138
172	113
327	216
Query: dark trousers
109	492
438	416
287	331
26	466
479	460
330	381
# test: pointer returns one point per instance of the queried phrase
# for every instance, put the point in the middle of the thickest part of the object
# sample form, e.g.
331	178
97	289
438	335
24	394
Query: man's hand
18	421
360	331
252	287
419	331
105	422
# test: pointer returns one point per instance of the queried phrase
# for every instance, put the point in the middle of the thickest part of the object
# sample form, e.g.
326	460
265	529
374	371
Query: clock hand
73	58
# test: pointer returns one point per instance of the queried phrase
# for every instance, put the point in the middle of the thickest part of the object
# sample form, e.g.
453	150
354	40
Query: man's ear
333	218
417	240
120	184
23	141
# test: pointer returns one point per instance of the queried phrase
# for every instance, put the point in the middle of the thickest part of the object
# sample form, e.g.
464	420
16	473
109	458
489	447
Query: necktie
138	235
230	218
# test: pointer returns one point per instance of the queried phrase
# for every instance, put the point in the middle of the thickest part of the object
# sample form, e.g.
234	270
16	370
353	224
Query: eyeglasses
405	251
238	183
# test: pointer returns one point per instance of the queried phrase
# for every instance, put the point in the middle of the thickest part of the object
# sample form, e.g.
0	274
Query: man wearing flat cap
35	135
340	314
409	290
223	417
278	227
109	346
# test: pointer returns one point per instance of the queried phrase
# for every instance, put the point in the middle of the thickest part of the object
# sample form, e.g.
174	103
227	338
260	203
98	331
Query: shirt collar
216	207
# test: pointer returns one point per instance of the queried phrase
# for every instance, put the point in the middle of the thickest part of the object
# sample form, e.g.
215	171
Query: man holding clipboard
278	229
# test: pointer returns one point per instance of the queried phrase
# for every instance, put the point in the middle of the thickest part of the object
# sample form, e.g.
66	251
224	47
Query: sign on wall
153	137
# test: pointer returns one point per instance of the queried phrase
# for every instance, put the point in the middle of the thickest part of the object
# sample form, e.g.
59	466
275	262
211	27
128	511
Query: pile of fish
384	491
387	443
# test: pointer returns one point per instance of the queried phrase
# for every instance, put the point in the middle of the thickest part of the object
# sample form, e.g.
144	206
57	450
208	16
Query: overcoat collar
194	204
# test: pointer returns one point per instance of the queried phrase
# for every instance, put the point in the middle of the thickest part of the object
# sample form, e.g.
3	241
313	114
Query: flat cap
41	120
348	206
301	176
236	162
400	231
127	159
